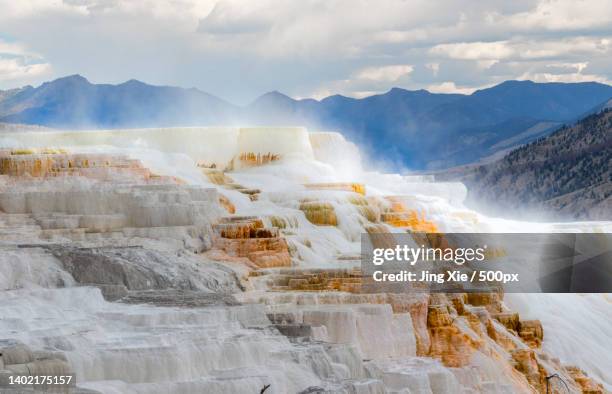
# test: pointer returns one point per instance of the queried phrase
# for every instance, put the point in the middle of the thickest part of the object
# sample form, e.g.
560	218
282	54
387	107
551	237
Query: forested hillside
567	173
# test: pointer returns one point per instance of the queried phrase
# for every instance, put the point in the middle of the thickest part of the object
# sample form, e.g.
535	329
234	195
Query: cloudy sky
239	49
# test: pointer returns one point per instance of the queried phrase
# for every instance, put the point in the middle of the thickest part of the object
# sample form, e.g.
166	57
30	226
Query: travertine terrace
224	260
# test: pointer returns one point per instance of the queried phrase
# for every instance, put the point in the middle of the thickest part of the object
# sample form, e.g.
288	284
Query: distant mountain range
74	102
415	129
567	174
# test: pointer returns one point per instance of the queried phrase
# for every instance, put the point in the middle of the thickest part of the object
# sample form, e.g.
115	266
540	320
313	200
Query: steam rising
300	158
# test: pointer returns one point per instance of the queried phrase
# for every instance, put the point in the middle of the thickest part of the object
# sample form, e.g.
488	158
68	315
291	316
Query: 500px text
448	276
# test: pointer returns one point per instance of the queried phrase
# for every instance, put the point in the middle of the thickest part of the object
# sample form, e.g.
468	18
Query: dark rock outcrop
136	268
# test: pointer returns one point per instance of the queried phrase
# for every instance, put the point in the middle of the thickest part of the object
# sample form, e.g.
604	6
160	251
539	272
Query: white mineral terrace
221	260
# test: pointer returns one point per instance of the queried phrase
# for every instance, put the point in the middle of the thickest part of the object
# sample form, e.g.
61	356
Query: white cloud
474	50
564	72
239	49
557	48
401	36
11	48
434	67
366	81
484	64
577	67
384	73
24	9
14	70
569	77
450	87
564	15
18	64
487	54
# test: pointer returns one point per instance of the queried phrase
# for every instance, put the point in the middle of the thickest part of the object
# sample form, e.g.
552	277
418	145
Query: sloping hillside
567	173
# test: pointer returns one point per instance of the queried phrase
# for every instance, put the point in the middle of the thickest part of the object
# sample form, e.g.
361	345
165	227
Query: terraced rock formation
177	283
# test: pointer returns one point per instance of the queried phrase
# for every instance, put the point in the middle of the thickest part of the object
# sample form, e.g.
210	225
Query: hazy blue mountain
416	129
6	94
75	102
